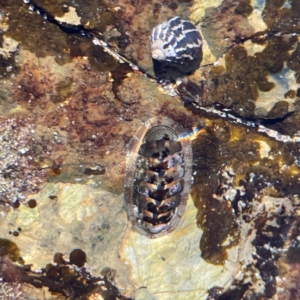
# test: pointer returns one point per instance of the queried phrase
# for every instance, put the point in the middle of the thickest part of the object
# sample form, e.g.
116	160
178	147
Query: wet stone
69	110
129	92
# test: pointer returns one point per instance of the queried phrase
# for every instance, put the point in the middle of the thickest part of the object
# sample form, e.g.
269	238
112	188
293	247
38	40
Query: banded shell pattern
158	177
176	41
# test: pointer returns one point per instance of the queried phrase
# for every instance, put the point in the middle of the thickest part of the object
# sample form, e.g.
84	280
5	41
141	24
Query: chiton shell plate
158	176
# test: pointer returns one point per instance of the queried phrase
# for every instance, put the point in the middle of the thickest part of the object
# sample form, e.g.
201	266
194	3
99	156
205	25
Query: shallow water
77	82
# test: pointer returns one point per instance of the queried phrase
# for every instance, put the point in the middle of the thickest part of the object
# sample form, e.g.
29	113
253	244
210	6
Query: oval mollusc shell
158	176
177	41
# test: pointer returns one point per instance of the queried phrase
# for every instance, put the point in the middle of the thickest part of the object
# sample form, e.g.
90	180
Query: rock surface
70	106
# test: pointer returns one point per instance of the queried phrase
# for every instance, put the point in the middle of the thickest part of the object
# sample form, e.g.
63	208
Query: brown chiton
158	176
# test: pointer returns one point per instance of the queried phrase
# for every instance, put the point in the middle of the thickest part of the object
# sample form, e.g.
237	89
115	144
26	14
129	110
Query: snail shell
176	41
158	177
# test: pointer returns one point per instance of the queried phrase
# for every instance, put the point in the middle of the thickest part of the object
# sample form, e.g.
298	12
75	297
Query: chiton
158	176
176	41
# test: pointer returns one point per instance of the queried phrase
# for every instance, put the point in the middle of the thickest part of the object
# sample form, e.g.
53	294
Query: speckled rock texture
77	81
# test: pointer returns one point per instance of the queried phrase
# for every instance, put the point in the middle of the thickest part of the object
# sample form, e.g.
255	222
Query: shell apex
176	40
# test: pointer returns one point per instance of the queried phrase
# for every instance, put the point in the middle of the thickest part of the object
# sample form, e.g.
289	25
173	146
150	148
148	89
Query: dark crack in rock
35	34
242	83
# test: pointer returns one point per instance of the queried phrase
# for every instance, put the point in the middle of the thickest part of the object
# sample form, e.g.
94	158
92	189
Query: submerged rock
69	109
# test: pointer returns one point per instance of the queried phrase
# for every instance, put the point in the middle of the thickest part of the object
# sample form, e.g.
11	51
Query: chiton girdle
158	176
